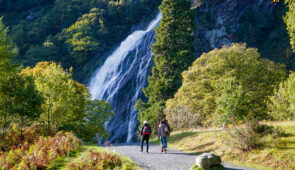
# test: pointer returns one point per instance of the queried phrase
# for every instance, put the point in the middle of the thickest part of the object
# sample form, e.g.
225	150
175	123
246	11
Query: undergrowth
41	154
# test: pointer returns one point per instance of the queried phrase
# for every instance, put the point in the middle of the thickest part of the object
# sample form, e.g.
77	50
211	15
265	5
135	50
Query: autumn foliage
40	154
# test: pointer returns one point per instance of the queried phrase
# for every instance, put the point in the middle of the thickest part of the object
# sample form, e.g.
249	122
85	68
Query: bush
250	135
97	160
243	138
31	135
40	154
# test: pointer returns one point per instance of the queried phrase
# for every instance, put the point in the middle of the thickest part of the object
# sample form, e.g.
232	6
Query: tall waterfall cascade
121	78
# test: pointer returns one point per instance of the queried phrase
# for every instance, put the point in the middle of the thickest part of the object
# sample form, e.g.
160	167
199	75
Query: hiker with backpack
164	132
145	133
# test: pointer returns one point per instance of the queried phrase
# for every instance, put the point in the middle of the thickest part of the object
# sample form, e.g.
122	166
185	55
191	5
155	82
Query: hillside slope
71	32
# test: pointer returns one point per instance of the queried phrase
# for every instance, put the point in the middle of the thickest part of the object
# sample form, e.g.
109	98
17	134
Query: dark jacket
143	128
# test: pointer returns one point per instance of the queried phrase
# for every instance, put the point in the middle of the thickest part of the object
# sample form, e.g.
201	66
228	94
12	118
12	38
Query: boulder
208	160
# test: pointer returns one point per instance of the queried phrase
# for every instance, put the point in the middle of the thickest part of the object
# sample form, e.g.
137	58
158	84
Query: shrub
97	160
42	153
31	135
250	135
184	118
243	138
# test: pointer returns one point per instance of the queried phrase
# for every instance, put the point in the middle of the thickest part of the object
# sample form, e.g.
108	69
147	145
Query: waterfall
121	78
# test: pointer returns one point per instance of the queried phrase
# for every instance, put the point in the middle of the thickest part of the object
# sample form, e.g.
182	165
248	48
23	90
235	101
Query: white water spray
107	80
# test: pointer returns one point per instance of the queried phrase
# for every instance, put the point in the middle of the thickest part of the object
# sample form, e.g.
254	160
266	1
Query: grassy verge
272	154
78	155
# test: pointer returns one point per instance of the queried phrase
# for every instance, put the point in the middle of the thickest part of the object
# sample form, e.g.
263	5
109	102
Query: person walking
164	132
145	133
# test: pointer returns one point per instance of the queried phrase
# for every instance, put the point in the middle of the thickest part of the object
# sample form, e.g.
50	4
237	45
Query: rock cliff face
217	23
218	20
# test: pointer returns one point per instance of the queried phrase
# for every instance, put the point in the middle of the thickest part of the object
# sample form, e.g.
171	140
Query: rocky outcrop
218	20
208	160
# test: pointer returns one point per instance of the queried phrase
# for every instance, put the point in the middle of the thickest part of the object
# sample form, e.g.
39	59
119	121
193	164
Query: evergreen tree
8	51
174	53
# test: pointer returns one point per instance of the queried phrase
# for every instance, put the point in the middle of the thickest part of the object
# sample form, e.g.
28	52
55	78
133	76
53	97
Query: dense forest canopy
71	32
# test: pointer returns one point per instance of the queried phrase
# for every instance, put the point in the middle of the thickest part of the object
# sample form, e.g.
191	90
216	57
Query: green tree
289	20
174	53
25	100
8	51
91	126
282	103
202	92
98	112
65	99
7	69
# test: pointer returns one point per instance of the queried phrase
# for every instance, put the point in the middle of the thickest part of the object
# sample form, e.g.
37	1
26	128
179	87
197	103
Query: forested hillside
71	32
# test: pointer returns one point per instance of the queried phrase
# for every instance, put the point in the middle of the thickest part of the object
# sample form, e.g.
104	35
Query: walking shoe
165	150
162	148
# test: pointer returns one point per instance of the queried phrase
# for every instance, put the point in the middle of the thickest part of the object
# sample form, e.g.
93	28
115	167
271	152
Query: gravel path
173	160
